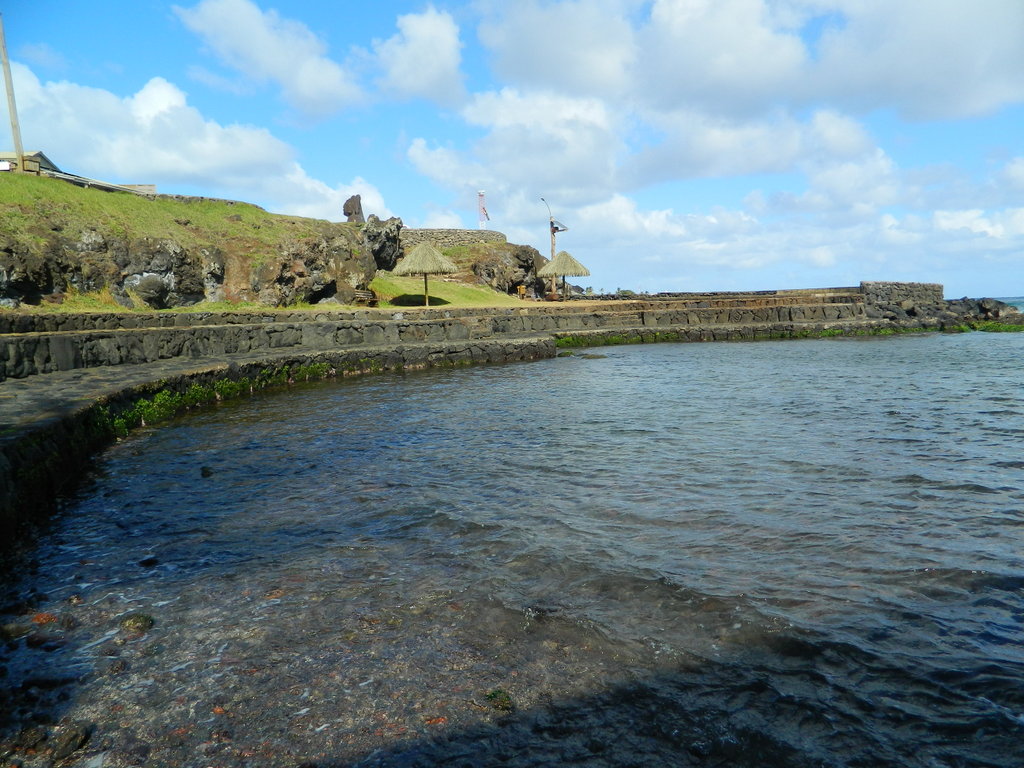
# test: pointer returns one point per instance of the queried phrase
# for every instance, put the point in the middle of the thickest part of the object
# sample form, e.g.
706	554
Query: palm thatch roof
425	259
563	264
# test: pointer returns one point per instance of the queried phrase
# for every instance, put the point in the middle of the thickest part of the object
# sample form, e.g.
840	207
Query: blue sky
689	145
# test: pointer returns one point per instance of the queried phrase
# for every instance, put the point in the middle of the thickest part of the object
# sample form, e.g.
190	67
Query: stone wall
895	293
449	238
46	351
32	344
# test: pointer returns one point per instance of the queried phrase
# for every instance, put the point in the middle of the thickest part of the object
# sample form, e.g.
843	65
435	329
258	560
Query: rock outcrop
328	262
330	268
505	266
384	241
945	312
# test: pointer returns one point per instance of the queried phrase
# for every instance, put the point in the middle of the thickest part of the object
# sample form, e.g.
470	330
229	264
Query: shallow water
779	553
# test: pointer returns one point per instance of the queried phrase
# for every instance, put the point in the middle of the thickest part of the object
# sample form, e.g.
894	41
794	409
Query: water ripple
741	554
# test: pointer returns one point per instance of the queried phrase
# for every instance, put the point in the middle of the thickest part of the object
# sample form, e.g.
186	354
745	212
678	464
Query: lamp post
555	226
551	223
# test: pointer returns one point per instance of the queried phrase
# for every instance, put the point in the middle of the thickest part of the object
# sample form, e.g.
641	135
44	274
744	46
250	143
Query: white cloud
444	219
897	233
157	97
927	58
264	46
619	214
694	144
583	46
720	55
839	136
446	166
155	136
1013	173
536	140
864	184
931	58
423	59
998	225
301	195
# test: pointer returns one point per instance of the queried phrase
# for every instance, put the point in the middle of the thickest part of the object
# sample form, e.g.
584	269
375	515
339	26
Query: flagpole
12	108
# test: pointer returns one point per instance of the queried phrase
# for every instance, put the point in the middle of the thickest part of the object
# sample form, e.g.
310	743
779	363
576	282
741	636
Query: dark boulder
505	266
382	240
331	267
161	272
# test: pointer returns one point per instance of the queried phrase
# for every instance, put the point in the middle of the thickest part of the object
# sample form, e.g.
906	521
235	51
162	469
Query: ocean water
799	553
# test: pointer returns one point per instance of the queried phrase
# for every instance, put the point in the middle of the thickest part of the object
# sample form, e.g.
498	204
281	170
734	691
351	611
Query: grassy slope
408	292
33	208
460	289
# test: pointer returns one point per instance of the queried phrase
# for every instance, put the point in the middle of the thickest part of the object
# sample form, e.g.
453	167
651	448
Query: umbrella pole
426	294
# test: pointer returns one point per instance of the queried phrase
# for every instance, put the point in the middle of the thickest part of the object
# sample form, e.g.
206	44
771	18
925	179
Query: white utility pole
12	108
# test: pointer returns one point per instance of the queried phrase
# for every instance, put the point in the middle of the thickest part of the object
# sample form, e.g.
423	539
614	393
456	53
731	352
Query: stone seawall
449	238
896	293
47	351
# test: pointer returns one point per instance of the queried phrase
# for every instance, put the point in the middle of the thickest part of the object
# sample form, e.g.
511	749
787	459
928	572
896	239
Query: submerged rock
138	623
70	739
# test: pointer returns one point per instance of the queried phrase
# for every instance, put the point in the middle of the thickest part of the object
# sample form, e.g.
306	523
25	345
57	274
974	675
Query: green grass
31	205
991	326
166	403
395	291
81	303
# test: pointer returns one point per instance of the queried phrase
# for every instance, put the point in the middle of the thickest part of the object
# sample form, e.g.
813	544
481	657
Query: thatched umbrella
425	260
563	264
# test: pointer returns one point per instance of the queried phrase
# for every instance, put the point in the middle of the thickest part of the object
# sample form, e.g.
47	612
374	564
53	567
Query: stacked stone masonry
896	293
43	350
32	344
449	238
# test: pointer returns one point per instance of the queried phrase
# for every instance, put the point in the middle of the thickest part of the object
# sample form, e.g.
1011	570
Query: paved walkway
34	399
29	402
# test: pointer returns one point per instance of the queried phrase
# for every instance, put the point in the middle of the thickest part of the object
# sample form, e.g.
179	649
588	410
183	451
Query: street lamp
555	226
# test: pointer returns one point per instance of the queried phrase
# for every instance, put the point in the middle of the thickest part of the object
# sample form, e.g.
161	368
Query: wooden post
12	108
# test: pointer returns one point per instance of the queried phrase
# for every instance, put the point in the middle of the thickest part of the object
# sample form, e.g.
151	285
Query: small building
35	162
41	165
